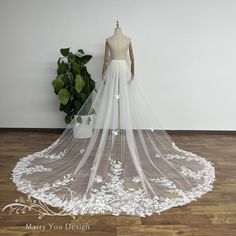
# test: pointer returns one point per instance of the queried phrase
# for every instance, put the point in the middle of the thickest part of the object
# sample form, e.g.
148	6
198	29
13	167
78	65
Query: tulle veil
114	157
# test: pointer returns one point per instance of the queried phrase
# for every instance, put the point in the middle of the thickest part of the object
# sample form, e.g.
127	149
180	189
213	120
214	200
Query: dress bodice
118	47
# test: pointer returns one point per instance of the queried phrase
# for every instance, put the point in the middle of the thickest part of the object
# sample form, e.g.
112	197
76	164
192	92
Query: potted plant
73	84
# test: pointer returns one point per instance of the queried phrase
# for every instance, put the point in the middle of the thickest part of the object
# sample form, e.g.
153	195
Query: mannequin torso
118	45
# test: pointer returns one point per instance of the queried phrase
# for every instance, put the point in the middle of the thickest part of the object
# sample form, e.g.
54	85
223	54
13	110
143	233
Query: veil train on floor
114	157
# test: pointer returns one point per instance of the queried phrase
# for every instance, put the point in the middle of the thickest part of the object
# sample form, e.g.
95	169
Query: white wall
185	54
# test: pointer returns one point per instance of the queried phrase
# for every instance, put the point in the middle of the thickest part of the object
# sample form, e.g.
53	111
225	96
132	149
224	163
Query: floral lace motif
23	167
112	196
98	179
194	174
64	180
56	156
136	179
35	169
164	182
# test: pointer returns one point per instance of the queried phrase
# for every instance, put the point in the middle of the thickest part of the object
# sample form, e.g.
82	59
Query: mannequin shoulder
128	40
109	39
113	40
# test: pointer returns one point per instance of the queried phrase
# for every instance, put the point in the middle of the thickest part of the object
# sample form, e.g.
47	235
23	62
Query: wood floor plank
214	214
146	230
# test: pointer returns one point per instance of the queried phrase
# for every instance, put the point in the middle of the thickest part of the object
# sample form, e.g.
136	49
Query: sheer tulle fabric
127	164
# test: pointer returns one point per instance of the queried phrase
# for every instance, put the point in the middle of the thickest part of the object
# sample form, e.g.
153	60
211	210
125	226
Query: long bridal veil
114	157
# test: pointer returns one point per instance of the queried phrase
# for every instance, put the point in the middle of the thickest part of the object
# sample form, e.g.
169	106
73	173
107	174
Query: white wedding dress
129	165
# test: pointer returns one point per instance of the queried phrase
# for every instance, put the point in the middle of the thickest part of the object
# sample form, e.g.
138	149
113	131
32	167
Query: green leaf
57	84
76	68
68	118
83	97
71	78
79	83
74	92
68	108
64	96
59	61
64	51
85	59
65	80
86	88
92	84
78	104
84	72
62	68
71	57
81	51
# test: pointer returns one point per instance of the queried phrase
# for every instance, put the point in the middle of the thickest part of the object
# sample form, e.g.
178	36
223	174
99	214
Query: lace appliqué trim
112	196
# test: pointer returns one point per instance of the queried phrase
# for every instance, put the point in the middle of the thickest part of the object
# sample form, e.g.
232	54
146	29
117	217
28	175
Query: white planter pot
84	127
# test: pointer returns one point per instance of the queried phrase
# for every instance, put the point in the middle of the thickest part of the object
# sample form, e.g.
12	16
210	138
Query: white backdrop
185	55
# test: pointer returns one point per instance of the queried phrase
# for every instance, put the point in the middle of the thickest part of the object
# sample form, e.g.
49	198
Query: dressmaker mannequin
117	45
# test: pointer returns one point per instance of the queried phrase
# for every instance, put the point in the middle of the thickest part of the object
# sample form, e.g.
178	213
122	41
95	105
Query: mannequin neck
118	31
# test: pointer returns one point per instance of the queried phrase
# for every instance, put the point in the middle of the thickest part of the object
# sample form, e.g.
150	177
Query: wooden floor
214	214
